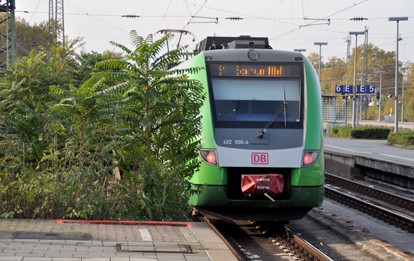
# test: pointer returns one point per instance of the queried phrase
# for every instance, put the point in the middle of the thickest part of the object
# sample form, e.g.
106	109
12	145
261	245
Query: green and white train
261	137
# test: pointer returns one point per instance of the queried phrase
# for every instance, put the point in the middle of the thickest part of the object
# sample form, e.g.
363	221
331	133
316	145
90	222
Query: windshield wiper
275	116
269	123
284	104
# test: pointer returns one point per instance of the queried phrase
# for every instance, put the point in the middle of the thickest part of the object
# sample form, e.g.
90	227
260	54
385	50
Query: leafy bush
341	131
61	140
404	138
360	132
370	133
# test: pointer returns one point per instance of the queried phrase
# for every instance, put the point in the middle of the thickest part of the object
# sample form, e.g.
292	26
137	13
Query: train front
261	152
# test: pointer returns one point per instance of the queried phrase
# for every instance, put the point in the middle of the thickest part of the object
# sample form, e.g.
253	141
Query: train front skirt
214	203
253	185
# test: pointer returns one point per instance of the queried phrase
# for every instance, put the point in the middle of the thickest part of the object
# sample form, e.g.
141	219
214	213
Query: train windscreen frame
253	95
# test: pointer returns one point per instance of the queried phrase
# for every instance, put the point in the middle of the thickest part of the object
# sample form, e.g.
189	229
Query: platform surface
49	240
376	149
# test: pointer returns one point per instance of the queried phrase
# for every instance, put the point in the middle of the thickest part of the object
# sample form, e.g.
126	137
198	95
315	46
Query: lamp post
354	103
396	19
320	56
299	50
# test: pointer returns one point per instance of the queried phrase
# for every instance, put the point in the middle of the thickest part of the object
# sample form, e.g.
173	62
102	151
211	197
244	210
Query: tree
379	63
29	37
333	74
158	110
314	60
36	142
409	92
62	134
22	104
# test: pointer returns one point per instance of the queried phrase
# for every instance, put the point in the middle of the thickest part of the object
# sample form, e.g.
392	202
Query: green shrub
370	133
61	143
360	132
403	138
341	131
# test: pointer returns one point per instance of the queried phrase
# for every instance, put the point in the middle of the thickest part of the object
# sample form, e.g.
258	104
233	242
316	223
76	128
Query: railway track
388	207
249	240
301	248
378	194
275	241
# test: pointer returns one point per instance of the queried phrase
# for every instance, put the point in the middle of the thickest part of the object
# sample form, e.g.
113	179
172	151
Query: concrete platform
351	157
49	240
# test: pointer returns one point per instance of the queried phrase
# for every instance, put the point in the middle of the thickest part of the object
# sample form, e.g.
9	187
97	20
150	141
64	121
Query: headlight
309	157
209	156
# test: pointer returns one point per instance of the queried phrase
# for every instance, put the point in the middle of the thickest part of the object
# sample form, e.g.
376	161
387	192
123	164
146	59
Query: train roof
229	42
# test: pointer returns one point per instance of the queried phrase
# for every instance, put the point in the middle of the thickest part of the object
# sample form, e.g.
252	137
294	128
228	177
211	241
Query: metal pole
13	30
354	103
320	60
379	100
320	56
396	84
396	19
346	110
402	100
8	32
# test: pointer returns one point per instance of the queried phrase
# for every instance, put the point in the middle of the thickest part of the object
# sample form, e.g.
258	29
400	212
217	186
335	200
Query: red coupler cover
262	183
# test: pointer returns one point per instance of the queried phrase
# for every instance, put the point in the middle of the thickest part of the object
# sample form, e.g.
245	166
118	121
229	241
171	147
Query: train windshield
245	102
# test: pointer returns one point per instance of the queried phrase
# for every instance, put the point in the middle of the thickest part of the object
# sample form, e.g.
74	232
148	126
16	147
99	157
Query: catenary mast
7	33
56	21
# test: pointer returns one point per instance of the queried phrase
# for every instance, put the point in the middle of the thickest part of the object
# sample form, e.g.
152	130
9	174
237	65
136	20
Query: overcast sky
288	24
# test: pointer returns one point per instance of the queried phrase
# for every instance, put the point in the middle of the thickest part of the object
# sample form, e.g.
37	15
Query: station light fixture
299	50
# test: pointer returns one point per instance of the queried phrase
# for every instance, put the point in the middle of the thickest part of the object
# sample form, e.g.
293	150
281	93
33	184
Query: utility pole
56	21
320	56
396	19
365	81
348	50
364	76
8	35
354	100
366	55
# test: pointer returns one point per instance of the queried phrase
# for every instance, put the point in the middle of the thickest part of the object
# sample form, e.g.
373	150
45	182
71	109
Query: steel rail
315	253
392	217
369	191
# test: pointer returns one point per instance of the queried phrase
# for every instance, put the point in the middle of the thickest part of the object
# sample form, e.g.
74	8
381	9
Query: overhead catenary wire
326	17
95	17
192	17
276	20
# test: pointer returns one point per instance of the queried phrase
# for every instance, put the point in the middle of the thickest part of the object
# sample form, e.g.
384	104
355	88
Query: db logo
260	158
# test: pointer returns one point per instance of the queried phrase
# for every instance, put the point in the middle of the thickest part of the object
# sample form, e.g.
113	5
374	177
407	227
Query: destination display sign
254	70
